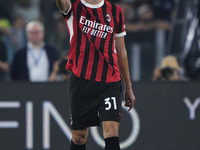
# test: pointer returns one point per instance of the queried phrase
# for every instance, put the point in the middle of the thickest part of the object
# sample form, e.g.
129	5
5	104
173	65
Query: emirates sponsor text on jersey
95	28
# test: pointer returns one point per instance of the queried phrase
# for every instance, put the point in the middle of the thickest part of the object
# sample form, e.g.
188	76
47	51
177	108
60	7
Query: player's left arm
124	70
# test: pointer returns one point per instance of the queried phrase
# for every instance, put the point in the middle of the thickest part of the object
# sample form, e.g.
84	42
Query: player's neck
93	2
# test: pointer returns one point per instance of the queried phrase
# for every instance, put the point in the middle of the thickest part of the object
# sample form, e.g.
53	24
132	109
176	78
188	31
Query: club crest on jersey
108	17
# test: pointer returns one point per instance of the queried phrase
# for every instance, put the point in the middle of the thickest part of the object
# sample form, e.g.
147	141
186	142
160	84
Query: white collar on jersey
92	5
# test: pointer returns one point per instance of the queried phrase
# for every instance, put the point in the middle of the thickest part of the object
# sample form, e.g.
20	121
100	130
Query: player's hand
129	98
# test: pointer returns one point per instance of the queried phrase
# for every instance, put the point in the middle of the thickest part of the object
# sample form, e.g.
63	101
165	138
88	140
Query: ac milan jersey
93	29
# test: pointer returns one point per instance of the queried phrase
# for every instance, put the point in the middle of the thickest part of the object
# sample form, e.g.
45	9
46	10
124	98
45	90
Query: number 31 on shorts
109	101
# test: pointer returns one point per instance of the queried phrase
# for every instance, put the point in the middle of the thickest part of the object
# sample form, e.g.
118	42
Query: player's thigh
83	103
110	129
80	136
111	104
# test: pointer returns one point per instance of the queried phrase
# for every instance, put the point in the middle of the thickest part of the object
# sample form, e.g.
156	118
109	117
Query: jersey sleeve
68	13
120	29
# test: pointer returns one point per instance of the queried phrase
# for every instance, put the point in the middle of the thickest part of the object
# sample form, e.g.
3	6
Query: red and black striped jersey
93	29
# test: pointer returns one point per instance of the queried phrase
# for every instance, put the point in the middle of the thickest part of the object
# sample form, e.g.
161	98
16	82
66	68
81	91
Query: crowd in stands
143	19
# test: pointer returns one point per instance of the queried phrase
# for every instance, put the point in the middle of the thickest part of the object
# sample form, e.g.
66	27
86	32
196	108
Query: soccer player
96	59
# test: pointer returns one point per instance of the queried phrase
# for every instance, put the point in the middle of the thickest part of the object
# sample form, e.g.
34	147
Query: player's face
35	34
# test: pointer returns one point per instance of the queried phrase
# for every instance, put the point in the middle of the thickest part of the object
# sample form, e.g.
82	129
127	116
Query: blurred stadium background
163	45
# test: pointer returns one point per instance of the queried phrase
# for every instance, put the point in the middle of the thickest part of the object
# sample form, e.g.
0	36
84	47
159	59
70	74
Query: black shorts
93	102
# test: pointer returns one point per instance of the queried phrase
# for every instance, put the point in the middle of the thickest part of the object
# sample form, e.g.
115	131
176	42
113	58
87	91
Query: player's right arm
63	5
